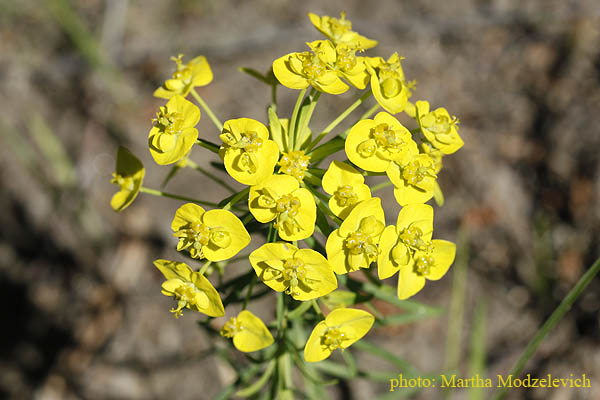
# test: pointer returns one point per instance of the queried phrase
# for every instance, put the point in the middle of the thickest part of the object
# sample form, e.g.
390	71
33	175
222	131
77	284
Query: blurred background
83	317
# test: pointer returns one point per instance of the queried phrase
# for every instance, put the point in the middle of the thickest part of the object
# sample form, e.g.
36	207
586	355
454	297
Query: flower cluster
289	197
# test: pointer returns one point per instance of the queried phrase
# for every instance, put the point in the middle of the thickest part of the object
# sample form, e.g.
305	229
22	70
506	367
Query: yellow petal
336	253
406	194
419	215
306	218
174	270
228	224
409	283
356	323
214	308
201	72
190	112
254	334
370	207
362	150
385	263
443	254
314	351
339	174
285	74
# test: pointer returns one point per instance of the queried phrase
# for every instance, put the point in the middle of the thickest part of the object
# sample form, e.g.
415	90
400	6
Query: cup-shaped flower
247	152
339	31
294	163
281	198
304	274
415	179
129	175
341	328
173	133
440	129
216	235
310	68
399	243
350	67
388	83
373	143
355	244
346	186
194	73
190	289
248	331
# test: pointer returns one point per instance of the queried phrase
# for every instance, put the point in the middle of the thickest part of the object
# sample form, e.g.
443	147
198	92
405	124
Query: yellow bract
350	67
373	143
280	197
439	128
187	76
304	274
388	83
310	68
340	329
249	333
346	186
191	289
414	180
129	175
247	152
173	133
216	235
354	244
339	31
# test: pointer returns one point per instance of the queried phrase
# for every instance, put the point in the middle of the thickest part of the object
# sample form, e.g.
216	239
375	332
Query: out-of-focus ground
83	316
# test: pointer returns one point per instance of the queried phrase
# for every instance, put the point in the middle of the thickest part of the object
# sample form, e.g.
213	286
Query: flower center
293	273
125	182
345	196
287	207
423	264
231	328
412	237
185	294
183	72
312	67
339	26
346	60
415	171
360	243
249	141
439	124
196	235
333	338
386	137
168	122
391	78
294	163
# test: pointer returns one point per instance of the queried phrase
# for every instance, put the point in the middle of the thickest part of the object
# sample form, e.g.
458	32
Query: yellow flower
408	248
304	274
294	163
346	186
280	197
300	70
194	73
350	67
339	31
173	133
373	143
388	83
248	153
439	128
414	180
129	175
191	289
249	333
354	244
341	328
398	244
216	235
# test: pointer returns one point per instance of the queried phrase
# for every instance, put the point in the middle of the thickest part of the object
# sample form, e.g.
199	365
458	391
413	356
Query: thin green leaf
256	386
331	147
255	74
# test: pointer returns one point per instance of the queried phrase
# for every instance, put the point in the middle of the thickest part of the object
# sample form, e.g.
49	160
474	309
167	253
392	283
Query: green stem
215	178
339	119
207	110
366	115
305	117
159	193
249	292
551	322
292	122
205	267
208	145
316	307
381	186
